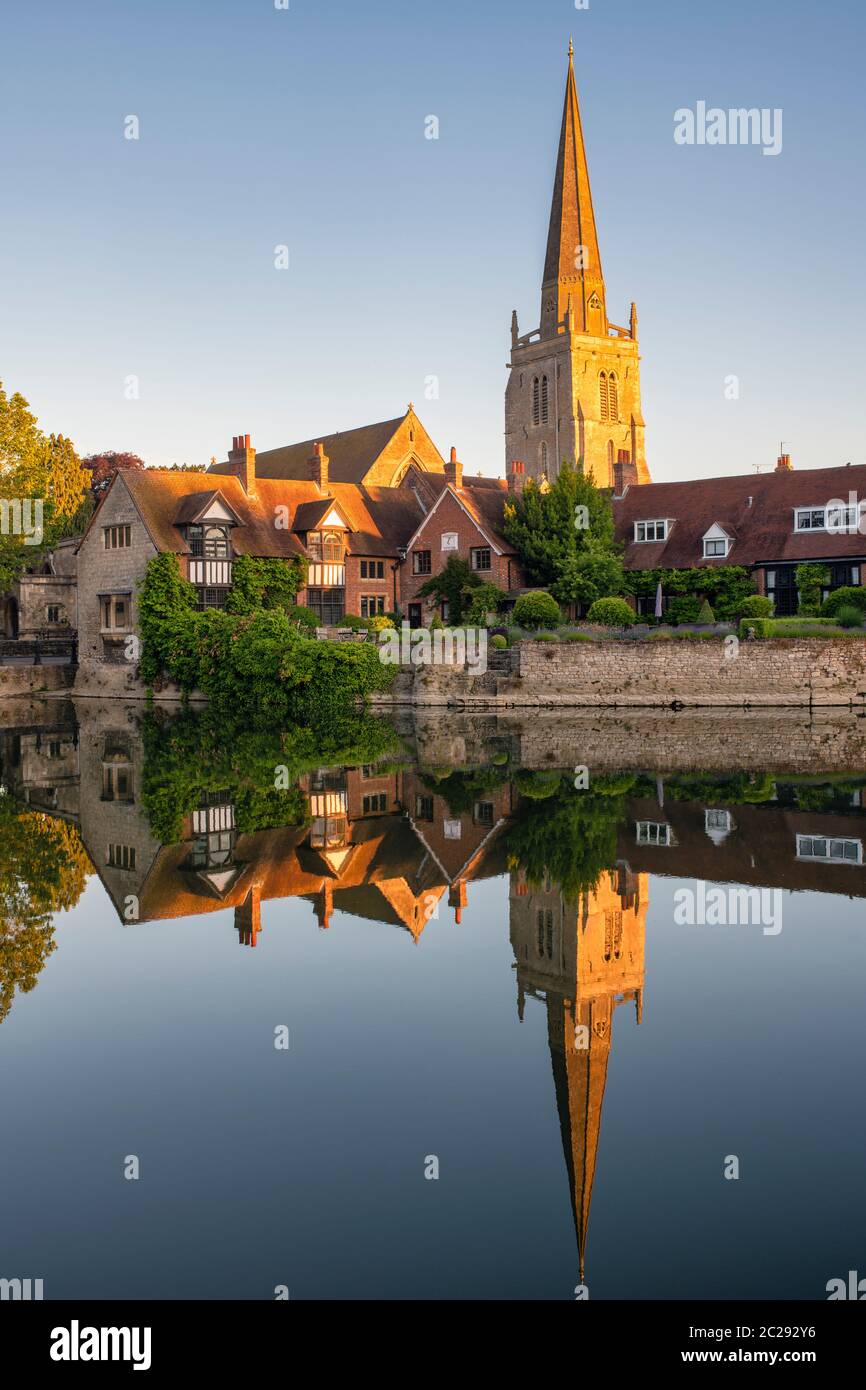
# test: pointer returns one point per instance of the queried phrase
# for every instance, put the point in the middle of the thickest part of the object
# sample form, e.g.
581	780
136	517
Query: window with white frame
839	518
833	850
717	819
115	612
449	540
451	829
481	558
717	543
651	832
651	531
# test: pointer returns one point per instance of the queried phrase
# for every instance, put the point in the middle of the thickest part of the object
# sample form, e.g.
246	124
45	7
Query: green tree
565	538
44	469
811	581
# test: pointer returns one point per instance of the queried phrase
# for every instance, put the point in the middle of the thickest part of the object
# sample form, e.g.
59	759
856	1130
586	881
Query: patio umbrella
659	605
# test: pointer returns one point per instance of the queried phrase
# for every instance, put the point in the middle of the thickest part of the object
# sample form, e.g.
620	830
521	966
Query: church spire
573	263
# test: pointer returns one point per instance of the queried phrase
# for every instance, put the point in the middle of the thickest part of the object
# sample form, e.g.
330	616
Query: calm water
478	966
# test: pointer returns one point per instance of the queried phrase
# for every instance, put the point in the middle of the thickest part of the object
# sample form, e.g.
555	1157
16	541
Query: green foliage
468	596
499	641
757	627
811	580
611	612
195	753
305	617
42	468
841	598
724	586
43	870
849	616
706	614
536	609
262	583
462	787
756	606
570	834
565	538
257	662
165	602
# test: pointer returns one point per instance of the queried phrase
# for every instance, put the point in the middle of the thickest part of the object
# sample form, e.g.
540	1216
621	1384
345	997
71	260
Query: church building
574	386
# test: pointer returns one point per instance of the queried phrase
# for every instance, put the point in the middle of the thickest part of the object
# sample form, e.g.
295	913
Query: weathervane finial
571	47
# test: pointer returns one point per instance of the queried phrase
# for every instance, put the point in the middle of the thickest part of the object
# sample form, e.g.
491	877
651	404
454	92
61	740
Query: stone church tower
574	388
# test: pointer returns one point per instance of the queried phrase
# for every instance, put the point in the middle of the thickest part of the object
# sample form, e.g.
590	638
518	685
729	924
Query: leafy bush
850	616
499	642
724	586
381	622
842	598
683	609
536	609
706	614
811	580
761	627
755	606
259	583
611	612
297	613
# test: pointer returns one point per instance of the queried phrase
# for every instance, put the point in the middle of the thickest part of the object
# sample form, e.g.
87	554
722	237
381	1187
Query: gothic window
610	456
543	456
536	401
544	401
603	397
595	302
613	396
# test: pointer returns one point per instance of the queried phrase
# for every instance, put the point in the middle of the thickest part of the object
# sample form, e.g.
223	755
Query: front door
782	589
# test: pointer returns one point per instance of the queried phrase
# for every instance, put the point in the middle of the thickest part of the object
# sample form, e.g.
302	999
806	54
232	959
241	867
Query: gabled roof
197	505
483	501
352	454
760	530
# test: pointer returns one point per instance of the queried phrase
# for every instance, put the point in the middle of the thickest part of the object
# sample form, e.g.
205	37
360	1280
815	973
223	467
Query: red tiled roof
351	454
762	530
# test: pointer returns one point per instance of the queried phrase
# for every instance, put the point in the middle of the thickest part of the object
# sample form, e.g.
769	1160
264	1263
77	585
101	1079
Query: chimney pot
454	470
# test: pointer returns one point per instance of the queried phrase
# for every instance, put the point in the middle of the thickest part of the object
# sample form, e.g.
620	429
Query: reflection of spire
579	1050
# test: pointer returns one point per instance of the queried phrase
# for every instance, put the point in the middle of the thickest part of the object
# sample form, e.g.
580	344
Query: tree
455	585
42	471
104	466
565	538
43	869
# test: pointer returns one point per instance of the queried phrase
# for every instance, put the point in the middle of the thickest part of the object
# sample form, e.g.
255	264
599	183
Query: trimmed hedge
611	612
842	598
536	609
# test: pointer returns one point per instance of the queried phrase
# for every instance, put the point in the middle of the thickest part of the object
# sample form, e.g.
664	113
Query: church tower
574	388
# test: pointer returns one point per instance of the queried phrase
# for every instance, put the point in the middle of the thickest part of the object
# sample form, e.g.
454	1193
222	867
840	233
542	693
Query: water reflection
181	818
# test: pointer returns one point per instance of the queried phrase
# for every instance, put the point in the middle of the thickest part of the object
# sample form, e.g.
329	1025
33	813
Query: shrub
611	612
706	614
755	606
382	622
683	609
499	642
536	609
850	616
811	579
762	627
297	613
545	637
842	598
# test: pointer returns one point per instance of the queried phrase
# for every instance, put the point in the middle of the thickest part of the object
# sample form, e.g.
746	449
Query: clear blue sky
306	127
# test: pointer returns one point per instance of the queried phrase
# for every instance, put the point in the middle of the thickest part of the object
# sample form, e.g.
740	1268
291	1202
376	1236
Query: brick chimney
248	917
317	464
783	462
624	473
243	462
517	477
454	470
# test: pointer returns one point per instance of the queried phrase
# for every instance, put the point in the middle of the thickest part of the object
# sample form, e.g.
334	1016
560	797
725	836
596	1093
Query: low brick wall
805	672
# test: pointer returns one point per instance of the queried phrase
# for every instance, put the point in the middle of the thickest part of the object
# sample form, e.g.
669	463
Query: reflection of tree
200	752
567	833
43	867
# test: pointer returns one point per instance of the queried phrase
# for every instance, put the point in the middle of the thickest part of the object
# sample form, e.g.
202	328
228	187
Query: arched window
544	407
613	396
536	401
542	455
603	396
332	548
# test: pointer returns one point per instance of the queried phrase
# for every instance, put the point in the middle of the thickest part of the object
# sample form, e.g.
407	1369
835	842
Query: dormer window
717	543
325	547
836	517
650	531
209	542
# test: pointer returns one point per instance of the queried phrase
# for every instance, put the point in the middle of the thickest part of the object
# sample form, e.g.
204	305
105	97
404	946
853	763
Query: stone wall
629	674
29	680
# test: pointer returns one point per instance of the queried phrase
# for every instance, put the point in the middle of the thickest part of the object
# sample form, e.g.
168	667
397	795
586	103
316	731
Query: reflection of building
582	959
